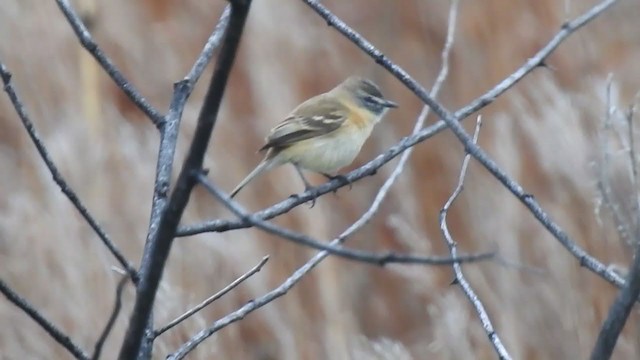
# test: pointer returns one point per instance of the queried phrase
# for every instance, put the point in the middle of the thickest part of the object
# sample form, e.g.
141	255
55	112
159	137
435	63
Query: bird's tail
265	165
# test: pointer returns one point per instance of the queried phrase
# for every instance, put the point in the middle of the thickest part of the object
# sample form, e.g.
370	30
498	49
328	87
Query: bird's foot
343	179
307	188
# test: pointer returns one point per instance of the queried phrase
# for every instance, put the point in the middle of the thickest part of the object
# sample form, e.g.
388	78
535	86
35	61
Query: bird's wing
315	117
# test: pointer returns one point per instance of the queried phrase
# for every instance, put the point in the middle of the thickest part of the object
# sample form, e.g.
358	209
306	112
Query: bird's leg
343	179
307	185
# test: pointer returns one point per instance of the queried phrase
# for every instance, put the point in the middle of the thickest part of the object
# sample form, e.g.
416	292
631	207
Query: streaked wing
315	117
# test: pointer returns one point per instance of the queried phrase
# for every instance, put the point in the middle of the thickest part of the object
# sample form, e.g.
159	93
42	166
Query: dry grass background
544	132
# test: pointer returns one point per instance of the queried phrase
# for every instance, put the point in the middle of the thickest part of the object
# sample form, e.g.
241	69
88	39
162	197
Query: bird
324	133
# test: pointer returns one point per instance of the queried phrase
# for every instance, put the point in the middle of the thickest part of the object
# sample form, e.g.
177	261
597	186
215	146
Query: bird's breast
330	152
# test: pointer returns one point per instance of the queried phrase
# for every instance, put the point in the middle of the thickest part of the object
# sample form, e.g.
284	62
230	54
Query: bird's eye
371	100
372	103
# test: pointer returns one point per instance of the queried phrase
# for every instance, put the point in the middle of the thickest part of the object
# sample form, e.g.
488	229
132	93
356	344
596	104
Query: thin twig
210	46
457	268
158	248
313	262
212	298
117	305
57	176
604	184
53	331
86	40
633	162
452	121
628	295
351	254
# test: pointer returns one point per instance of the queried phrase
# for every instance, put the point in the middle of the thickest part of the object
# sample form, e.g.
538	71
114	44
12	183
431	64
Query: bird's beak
388	103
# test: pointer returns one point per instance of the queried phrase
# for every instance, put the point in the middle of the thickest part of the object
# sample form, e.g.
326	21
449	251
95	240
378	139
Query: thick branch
169	139
157	252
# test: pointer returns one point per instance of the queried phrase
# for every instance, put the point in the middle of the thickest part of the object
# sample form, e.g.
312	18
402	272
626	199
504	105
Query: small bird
324	133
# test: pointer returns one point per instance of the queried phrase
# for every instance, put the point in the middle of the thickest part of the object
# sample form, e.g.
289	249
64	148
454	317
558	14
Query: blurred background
559	132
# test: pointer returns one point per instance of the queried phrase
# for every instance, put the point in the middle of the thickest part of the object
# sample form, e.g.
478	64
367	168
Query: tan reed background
544	132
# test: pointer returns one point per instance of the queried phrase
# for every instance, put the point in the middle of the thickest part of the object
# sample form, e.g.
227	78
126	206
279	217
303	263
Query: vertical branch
158	249
457	268
117	305
628	295
604	183
168	140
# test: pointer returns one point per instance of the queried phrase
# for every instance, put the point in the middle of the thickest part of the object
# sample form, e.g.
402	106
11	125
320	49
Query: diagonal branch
86	40
60	337
157	251
452	121
457	269
212	298
351	254
57	176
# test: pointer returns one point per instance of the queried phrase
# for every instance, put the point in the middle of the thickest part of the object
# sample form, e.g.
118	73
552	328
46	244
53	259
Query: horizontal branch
351	254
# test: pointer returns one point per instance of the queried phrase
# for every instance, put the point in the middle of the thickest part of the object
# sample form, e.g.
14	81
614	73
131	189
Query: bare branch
57	176
457	268
53	331
351	254
212	298
158	248
109	67
628	295
452	121
117	305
